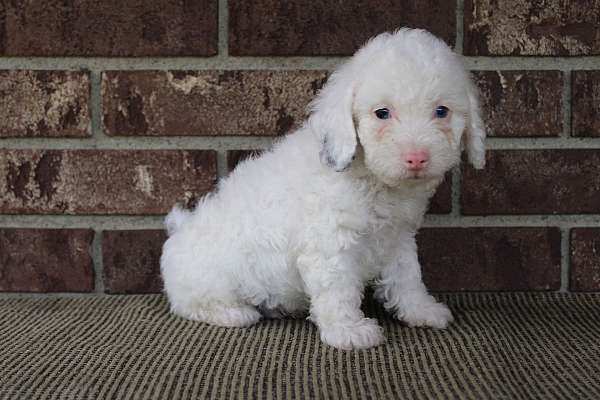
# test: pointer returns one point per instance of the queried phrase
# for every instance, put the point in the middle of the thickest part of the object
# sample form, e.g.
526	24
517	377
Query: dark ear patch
332	120
328	158
326	152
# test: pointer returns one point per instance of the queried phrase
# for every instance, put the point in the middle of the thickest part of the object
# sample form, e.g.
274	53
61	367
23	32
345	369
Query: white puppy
336	204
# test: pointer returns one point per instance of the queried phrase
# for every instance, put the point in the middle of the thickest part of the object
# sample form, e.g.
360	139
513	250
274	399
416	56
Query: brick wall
112	111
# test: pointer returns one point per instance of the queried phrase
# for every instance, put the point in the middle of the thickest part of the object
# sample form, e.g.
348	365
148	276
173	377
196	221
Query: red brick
46	260
102	181
585	93
132	260
109	28
585	259
531	28
234	157
316	27
155	103
533	182
44	103
465	259
441	202
521	103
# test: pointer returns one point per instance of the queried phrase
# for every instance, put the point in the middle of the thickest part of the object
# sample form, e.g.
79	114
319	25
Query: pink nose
416	160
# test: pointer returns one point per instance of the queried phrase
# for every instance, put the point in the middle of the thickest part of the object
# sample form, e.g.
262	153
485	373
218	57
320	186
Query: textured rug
513	346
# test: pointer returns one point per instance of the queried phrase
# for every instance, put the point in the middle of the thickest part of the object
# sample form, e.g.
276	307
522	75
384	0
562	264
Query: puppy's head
408	100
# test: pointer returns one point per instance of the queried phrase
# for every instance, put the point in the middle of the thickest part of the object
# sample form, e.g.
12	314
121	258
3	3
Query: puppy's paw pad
434	315
358	335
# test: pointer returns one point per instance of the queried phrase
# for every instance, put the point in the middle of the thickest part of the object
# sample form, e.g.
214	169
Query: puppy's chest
389	216
394	210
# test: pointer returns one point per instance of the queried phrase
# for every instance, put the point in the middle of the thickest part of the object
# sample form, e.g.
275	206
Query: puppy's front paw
356	335
435	315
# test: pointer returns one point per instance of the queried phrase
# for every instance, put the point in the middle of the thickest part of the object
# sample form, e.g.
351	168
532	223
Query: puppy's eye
441	112
383	113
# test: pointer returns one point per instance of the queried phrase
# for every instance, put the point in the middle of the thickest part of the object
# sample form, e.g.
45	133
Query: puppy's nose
416	160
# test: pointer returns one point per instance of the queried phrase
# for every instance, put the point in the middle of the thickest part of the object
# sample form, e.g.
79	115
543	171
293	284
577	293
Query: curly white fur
334	206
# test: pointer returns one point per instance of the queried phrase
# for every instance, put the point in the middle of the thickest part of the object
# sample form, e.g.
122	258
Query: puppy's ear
475	132
331	119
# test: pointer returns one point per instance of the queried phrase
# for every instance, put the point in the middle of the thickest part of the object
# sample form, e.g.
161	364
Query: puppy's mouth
416	175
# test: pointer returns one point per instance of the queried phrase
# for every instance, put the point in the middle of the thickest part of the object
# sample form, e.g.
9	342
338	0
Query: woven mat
513	346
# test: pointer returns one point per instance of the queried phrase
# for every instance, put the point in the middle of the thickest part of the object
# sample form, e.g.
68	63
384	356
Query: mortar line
498	143
532	63
223	29
251	142
565	258
96	104
222	168
101	141
277	63
459	39
103	222
455	192
98	260
535	220
140	222
567	103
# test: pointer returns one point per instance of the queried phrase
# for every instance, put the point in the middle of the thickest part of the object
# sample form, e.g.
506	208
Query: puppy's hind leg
228	315
200	289
209	297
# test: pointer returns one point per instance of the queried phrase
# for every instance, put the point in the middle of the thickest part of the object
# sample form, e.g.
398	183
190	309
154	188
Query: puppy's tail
175	219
